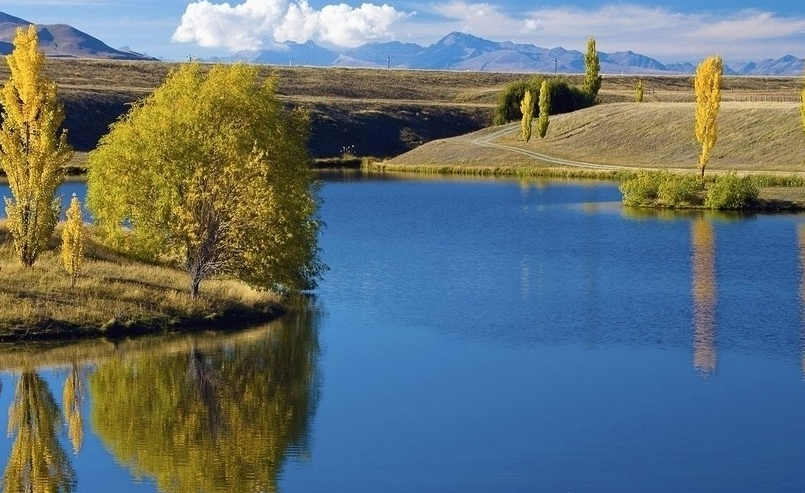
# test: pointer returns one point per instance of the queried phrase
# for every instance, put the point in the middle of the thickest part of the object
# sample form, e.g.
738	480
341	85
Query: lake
470	335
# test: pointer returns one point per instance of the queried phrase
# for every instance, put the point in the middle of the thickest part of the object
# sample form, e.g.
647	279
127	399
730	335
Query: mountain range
456	51
61	40
461	51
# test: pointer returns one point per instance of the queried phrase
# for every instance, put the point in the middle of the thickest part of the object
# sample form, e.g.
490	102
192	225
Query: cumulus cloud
256	24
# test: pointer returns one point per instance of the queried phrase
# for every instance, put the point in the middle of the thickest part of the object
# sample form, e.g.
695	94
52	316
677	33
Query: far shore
612	141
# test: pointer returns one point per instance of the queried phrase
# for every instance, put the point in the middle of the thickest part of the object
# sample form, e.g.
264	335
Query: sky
669	31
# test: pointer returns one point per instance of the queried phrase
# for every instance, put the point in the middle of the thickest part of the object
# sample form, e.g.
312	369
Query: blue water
505	336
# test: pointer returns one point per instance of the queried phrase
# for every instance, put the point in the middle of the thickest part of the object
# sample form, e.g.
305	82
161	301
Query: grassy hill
373	112
753	137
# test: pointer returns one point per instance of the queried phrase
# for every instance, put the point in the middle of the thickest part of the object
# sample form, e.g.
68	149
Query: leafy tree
544	109
638	93
216	418
527	109
211	172
707	85
33	149
592	77
72	240
37	462
564	98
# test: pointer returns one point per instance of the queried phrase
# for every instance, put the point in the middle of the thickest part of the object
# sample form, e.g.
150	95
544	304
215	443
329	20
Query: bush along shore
727	191
115	296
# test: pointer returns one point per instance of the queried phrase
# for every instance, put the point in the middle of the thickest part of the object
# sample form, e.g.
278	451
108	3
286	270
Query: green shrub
730	191
642	189
677	190
662	189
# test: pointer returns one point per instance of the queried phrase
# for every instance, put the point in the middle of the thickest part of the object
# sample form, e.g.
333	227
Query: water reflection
704	296
37	462
210	419
73	402
211	413
801	251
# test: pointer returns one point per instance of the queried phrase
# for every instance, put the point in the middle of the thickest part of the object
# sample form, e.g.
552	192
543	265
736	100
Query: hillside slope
752	137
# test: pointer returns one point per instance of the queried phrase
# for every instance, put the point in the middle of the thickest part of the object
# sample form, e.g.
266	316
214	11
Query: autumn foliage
544	110
707	86
72	246
527	109
210	172
33	148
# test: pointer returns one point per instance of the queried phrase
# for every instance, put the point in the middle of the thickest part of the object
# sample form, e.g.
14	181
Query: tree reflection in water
704	296
211	419
801	250
37	462
73	402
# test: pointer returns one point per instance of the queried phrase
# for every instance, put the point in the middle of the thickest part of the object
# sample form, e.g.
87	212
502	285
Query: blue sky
670	31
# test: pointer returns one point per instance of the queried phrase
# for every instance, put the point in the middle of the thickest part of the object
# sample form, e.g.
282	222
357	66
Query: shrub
730	191
641	190
662	189
677	190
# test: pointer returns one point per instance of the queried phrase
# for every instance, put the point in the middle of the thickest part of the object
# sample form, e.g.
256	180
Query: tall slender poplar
708	101
527	109
72	240
592	77
33	147
544	109
802	107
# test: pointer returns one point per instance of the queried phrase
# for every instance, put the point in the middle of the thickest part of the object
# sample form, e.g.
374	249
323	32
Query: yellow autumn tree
707	85
211	172
33	147
638	92
527	109
802	107
544	109
72	240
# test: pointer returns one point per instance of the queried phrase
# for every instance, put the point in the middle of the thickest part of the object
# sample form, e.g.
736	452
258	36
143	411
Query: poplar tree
802	107
527	109
211	172
33	148
707	85
544	109
638	93
592	77
72	246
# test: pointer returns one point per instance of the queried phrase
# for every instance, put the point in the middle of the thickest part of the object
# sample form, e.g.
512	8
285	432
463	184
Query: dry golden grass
753	137
115	296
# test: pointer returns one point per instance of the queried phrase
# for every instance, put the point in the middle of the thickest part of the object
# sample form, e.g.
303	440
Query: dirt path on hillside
489	142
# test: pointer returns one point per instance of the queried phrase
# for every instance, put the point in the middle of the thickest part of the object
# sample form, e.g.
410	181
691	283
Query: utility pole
555	66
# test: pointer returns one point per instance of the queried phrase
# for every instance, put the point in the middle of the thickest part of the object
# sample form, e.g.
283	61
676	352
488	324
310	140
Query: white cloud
653	31
256	24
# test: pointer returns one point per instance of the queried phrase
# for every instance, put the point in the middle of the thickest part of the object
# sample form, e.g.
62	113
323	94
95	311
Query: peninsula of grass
116	297
614	141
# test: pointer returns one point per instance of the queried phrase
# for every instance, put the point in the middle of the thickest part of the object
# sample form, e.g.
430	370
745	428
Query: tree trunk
194	283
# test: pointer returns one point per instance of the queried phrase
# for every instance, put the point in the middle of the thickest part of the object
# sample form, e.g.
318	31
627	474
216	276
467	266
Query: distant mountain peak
62	40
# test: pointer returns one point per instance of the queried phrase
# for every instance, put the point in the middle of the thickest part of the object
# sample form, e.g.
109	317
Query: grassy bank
116	297
612	141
